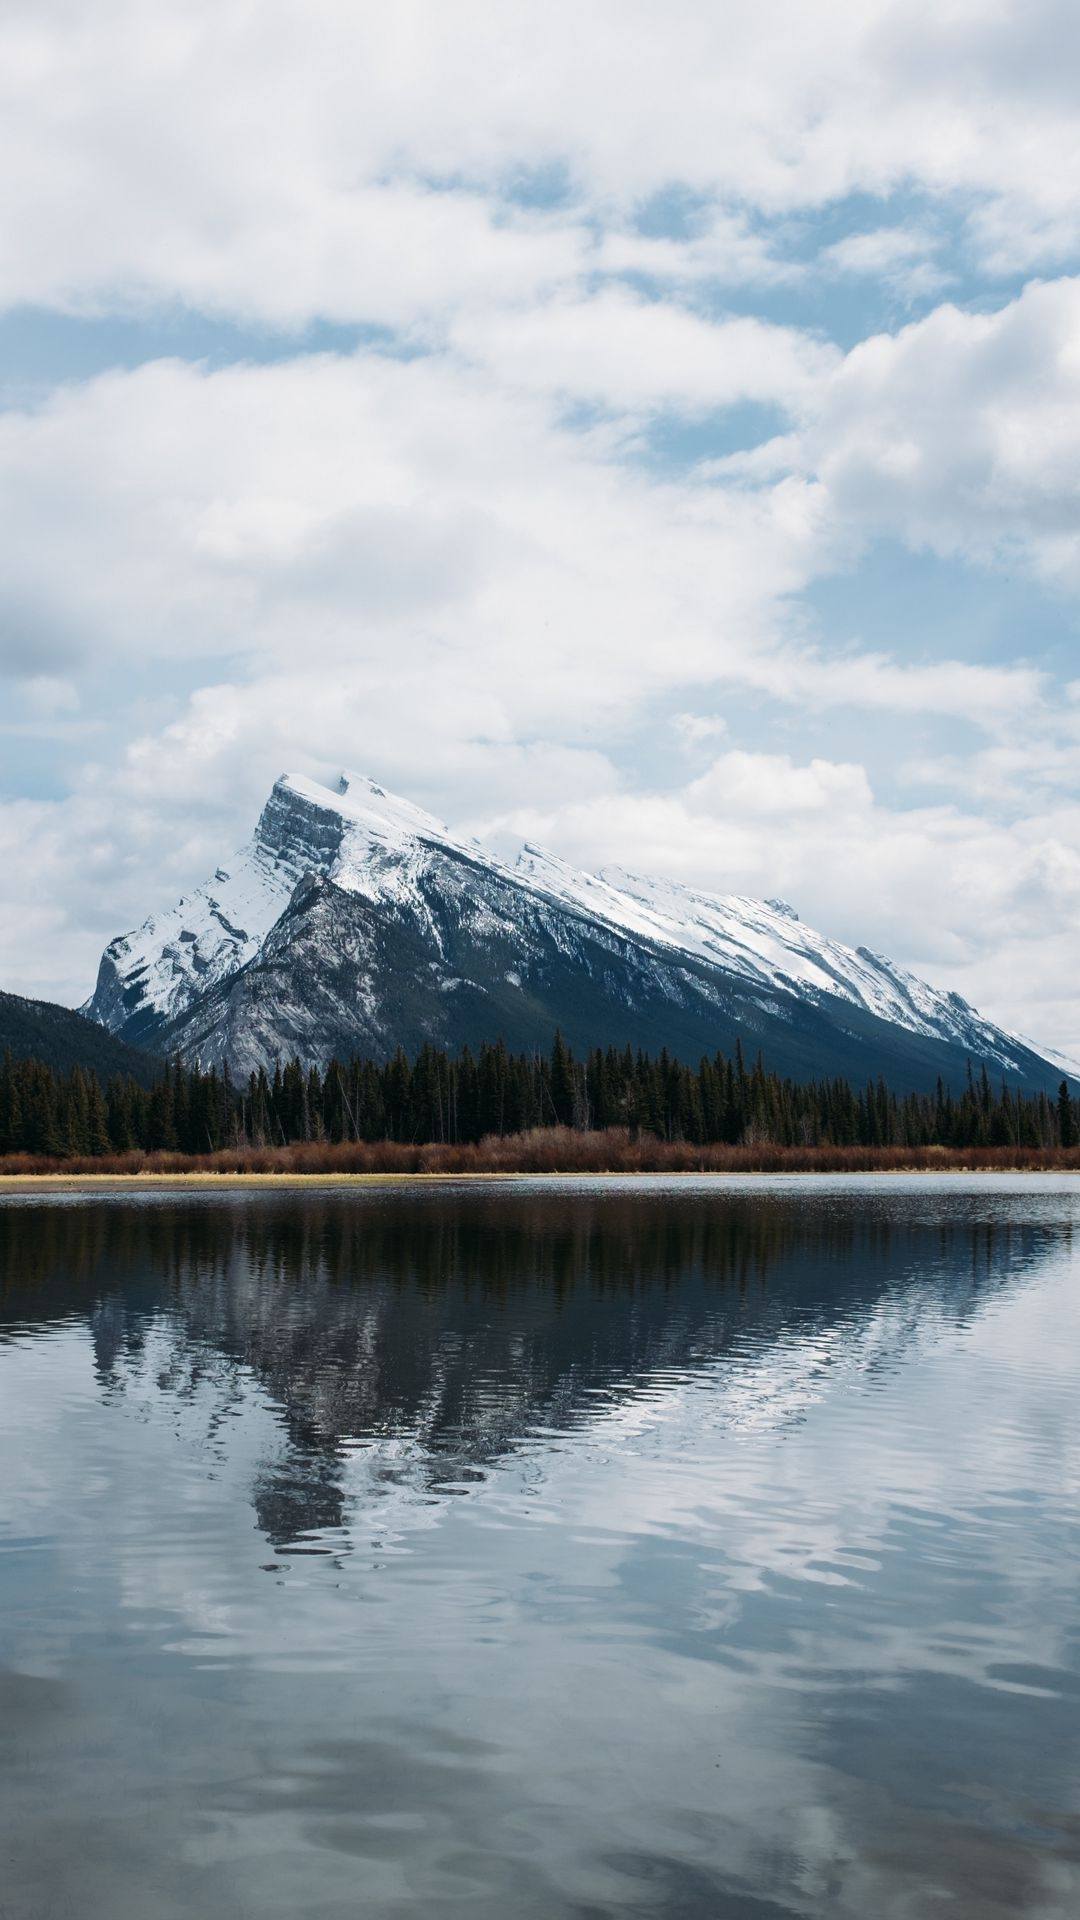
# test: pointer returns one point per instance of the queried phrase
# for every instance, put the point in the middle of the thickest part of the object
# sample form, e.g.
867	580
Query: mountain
39	1030
353	922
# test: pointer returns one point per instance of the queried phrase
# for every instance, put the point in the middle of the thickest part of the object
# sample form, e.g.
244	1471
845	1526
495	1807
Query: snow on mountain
370	841
457	900
764	941
154	973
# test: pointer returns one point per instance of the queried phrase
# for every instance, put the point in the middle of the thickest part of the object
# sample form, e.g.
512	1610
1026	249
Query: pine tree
562	1083
1066	1122
97	1119
161	1128
12	1128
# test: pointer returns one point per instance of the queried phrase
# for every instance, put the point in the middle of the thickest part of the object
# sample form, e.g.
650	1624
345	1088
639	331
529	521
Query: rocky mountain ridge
353	922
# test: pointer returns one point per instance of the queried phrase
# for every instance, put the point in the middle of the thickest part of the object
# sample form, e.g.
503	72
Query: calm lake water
683	1549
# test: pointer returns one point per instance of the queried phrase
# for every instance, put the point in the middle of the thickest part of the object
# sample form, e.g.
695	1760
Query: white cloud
47	696
419	525
725	248
628	353
878	249
381	517
695	729
772	785
990	697
277	163
960	434
903	256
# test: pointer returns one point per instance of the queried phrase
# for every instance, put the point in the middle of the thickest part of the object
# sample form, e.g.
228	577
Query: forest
464	1099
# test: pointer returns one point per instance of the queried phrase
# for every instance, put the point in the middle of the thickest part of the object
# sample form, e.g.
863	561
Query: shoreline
210	1182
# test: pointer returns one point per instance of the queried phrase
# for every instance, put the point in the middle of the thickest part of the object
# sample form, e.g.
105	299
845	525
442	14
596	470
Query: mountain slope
354	922
40	1030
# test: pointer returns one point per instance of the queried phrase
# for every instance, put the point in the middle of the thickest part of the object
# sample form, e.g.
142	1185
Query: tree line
467	1097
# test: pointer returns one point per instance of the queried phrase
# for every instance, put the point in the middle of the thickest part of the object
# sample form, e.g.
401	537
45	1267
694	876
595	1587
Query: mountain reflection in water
501	1316
716	1550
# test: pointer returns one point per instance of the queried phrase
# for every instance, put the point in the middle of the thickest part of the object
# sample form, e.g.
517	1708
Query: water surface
683	1548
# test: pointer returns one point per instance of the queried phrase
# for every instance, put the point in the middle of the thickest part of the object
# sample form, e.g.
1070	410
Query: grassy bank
554	1150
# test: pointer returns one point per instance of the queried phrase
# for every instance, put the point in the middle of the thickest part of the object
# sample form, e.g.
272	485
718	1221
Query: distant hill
40	1030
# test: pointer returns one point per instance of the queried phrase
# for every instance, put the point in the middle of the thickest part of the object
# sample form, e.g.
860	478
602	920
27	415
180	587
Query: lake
676	1547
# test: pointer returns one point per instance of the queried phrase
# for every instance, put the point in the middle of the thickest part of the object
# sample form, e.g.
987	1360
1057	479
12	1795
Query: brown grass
553	1150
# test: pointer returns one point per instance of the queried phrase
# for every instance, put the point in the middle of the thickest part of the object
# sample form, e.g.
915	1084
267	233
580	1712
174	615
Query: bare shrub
554	1150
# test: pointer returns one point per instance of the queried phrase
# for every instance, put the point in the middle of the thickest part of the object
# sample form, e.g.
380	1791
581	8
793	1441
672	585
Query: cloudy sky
654	430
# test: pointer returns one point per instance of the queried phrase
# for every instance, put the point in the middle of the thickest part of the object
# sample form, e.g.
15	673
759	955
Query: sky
653	431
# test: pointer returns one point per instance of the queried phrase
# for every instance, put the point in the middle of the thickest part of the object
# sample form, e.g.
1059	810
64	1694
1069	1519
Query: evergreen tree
562	1083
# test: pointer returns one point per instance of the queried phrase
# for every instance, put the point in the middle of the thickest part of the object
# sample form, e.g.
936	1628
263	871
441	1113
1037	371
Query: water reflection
541	1552
463	1323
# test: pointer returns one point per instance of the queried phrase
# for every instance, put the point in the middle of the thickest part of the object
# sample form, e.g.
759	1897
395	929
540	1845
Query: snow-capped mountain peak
512	949
361	802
